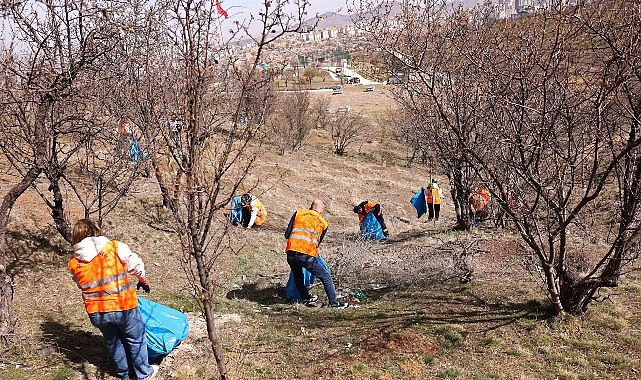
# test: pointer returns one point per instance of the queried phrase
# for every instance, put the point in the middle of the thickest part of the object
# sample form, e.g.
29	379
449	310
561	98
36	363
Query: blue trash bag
236	214
165	327
135	151
371	228
291	291
419	203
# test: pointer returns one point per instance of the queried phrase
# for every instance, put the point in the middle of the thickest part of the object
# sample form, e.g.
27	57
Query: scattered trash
358	295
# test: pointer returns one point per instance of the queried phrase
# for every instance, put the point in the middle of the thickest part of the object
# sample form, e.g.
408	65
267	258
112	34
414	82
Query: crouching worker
363	208
101	268
479	204
253	211
304	233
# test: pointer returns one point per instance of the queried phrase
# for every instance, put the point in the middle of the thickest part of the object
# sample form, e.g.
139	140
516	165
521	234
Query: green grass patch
63	373
492	342
358	367
517	352
616	362
452	336
179	301
429	360
449	374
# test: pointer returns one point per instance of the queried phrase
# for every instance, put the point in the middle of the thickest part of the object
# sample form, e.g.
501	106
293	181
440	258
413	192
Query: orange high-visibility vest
127	128
433	196
104	281
368	206
262	212
479	199
307	230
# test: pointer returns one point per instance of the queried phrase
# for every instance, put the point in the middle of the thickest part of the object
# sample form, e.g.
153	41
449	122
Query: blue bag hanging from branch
165	328
291	291
419	203
371	228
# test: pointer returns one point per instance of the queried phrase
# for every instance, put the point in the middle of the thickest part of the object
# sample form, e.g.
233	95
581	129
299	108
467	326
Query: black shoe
386	233
311	301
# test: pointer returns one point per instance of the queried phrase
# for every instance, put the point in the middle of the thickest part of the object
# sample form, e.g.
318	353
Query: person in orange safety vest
101	269
366	206
253	211
479	203
304	233
434	199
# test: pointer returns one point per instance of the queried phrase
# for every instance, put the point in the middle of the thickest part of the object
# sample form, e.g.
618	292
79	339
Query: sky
236	7
317	6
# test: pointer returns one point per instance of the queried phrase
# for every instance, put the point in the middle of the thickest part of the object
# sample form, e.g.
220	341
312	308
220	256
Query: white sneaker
155	367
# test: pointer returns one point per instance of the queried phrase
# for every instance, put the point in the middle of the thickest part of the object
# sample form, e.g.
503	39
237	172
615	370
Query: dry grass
416	321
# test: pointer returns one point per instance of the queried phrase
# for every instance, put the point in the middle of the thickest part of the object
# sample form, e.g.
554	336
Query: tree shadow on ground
29	248
79	347
407	235
271	295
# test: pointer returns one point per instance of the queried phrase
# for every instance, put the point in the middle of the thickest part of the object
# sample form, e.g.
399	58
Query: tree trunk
213	338
58	210
555	295
210	318
460	200
7	319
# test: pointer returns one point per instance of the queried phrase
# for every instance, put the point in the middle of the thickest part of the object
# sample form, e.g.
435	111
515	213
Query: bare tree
345	128
544	110
442	110
203	107
292	120
49	113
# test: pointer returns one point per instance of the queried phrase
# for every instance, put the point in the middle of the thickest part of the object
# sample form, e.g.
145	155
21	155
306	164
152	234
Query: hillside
411	316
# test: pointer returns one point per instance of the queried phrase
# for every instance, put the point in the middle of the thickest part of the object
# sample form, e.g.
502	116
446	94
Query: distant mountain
330	20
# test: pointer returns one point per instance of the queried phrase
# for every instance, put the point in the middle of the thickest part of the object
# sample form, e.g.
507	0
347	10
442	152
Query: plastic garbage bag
165	327
291	291
419	203
371	228
236	213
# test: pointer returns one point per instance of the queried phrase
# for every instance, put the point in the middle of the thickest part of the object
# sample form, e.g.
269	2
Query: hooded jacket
100	267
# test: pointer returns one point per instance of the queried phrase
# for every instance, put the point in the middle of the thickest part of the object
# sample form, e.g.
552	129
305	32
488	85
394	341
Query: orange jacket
479	199
104	281
433	196
307	230
367	207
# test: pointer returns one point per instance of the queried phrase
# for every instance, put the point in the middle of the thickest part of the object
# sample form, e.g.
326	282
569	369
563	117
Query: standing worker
254	213
100	267
304	233
365	207
433	198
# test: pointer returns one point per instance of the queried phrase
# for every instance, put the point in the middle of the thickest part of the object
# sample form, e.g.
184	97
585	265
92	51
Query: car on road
337	90
343	109
369	89
326	110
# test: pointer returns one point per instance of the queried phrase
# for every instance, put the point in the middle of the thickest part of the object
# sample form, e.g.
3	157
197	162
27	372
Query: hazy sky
317	6
248	6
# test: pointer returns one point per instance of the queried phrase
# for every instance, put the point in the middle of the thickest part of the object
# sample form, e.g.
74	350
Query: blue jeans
124	332
297	261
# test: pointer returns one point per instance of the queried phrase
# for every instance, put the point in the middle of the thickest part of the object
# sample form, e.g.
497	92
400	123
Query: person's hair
246	199
84	228
357	209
